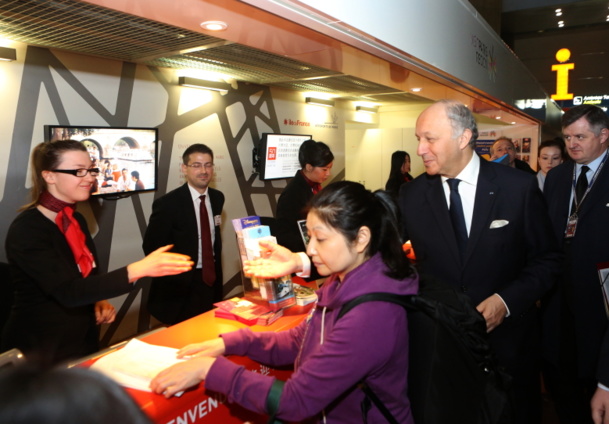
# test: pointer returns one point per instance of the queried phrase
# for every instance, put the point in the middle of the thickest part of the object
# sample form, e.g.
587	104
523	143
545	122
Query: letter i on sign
562	75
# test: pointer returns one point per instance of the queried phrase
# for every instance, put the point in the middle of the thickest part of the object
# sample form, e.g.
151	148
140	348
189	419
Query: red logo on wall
272	153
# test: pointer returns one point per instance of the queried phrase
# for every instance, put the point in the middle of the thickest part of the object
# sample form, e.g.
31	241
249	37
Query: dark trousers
570	392
571	395
525	395
518	352
200	300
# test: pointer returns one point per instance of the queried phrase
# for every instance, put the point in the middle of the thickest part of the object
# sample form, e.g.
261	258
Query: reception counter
197	405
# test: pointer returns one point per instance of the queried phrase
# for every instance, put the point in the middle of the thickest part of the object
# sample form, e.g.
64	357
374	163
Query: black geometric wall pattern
43	71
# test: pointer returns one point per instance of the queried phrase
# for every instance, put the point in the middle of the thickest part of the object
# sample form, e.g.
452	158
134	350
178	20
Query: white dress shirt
196	201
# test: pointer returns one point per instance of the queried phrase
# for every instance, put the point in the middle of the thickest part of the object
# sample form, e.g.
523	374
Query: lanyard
577	201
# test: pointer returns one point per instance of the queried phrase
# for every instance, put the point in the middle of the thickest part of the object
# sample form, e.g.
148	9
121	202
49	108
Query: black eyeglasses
198	165
80	172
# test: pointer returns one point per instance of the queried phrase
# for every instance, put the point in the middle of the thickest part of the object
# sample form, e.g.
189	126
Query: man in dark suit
574	315
176	220
505	256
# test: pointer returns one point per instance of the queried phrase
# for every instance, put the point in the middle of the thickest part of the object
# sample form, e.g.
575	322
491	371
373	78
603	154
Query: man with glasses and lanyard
575	314
189	218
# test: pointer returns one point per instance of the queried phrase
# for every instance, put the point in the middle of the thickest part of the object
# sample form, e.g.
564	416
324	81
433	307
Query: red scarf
315	187
68	225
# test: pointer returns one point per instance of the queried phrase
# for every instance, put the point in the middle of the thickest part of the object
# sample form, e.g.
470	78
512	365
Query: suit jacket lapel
486	190
600	187
435	196
188	213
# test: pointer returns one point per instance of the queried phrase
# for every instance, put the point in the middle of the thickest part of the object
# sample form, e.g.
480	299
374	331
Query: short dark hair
314	153
196	148
135	174
596	117
34	394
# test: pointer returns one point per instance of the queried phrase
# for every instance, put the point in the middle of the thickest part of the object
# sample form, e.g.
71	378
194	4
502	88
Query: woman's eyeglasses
80	172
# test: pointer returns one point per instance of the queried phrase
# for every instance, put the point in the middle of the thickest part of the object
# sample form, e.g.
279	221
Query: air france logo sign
562	75
272	153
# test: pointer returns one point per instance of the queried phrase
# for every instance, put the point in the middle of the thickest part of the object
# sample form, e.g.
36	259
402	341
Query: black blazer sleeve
37	248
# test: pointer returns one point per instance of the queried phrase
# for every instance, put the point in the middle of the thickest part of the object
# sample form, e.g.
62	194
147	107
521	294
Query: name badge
571	226
217	220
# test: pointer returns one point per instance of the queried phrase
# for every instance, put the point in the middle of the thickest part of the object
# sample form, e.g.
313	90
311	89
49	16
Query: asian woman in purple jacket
353	241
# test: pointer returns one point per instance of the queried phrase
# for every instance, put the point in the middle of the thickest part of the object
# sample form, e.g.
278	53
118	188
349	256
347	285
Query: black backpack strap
272	400
380	405
402	300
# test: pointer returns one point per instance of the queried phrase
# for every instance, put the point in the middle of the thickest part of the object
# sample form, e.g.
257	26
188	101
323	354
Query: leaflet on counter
136	364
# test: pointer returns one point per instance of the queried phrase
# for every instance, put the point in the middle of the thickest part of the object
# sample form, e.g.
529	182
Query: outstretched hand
275	261
159	263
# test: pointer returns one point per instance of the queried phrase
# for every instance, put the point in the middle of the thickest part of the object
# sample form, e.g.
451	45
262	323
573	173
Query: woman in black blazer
59	296
316	162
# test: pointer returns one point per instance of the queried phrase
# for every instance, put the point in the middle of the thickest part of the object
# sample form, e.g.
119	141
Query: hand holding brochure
136	364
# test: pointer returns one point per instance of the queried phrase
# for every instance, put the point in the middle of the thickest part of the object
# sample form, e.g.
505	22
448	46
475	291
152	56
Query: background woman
352	239
399	173
316	162
59	294
551	154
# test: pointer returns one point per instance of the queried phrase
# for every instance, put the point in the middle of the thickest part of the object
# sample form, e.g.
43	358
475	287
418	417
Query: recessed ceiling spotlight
561	24
416	89
558	13
214	25
558	10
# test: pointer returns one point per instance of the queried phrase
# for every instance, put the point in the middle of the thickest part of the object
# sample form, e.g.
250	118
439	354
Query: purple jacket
330	358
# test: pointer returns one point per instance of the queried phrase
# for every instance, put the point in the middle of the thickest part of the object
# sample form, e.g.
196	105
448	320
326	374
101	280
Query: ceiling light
214	25
319	102
558	13
205	84
8	54
558	10
367	109
416	89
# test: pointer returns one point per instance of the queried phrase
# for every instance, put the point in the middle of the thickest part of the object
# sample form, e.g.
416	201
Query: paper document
603	276
136	364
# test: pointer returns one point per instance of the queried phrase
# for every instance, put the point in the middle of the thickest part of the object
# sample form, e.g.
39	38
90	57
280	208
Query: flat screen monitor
126	156
278	155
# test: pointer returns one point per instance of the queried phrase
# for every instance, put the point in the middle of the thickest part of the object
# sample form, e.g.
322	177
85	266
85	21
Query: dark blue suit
574	317
173	221
517	260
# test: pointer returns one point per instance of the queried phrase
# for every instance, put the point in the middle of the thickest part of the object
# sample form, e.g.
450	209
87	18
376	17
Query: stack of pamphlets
278	292
245	311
